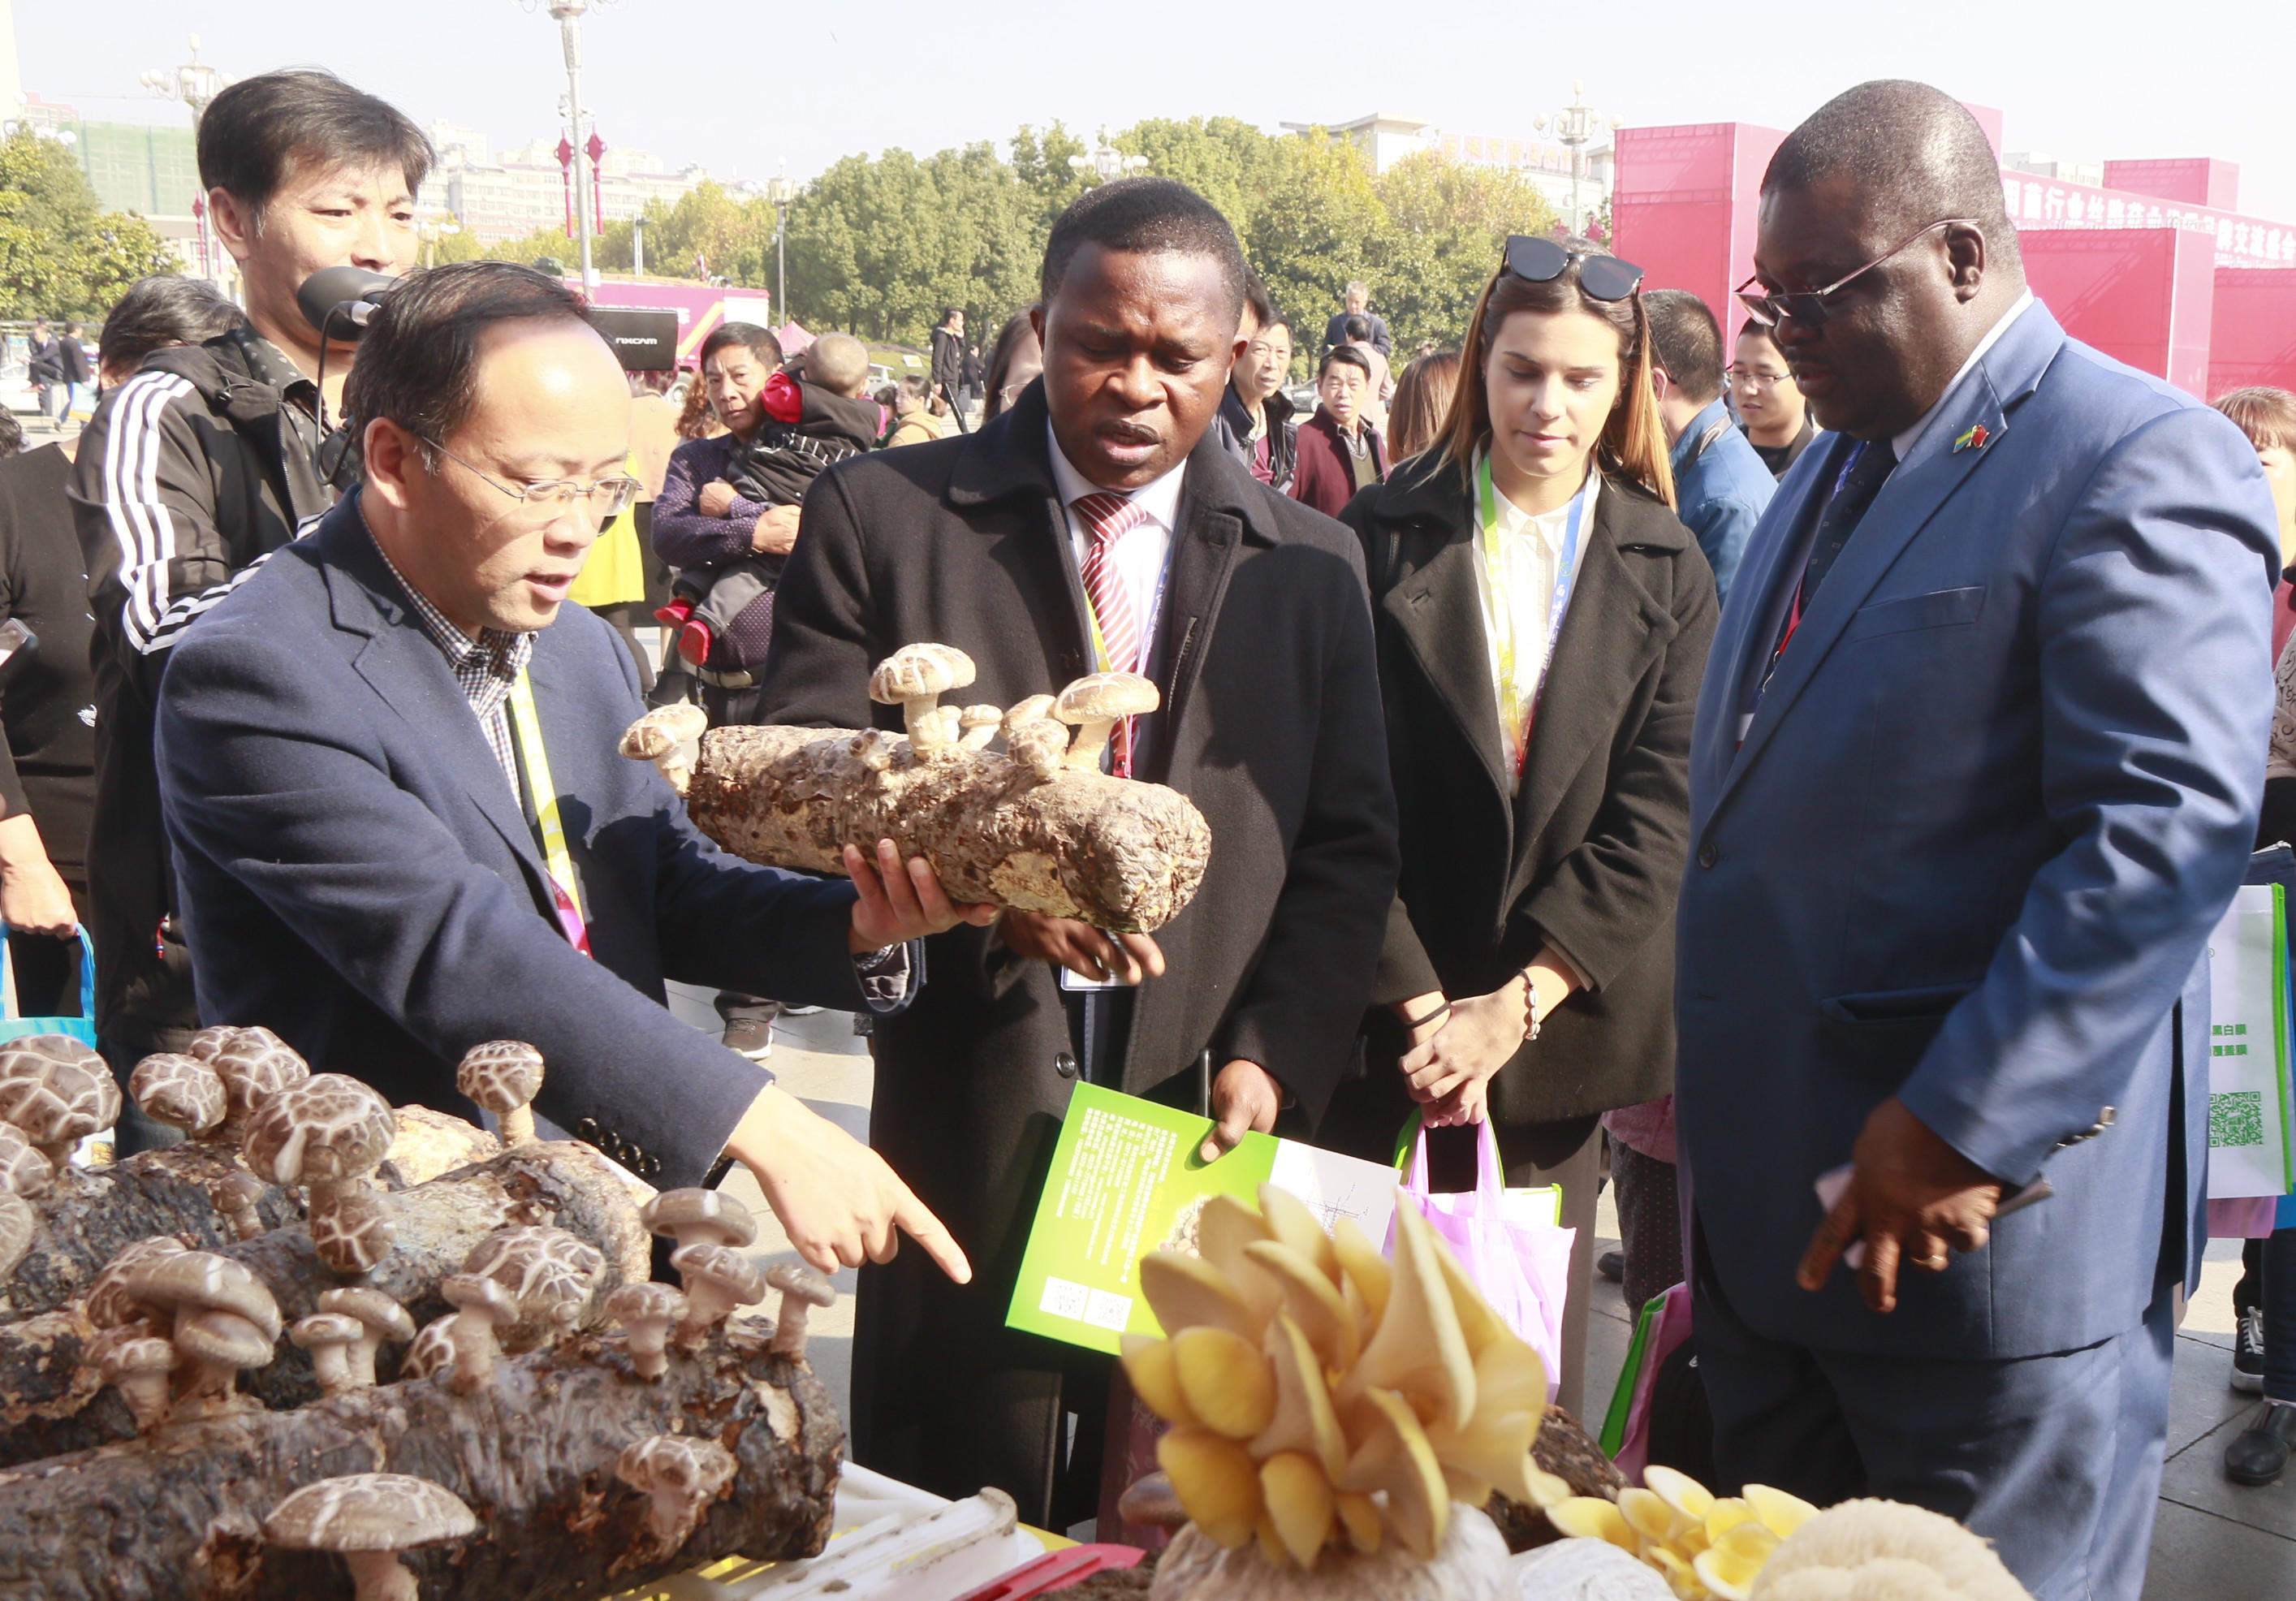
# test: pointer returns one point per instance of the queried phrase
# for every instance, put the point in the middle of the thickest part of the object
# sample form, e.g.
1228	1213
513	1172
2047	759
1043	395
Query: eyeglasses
1807	307
1746	378
609	497
1542	260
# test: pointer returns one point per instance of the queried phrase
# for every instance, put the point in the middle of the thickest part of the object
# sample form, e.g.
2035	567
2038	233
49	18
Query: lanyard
1500	616
526	723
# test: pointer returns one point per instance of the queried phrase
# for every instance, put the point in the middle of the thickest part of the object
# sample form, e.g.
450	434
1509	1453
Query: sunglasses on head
1543	260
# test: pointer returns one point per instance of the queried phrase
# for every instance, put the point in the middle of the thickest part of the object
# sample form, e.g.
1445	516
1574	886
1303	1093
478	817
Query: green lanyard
1498	616
526	723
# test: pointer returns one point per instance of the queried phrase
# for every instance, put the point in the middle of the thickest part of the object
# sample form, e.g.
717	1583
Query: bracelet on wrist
1433	1014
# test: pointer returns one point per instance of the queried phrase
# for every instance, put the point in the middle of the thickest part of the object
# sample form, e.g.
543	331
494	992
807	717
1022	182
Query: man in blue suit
401	827
1976	771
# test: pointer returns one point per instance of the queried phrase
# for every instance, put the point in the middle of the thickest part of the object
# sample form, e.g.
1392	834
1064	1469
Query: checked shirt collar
486	667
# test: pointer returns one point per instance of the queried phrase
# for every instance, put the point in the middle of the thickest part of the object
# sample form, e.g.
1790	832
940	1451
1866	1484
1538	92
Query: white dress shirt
1530	560
1139	556
1903	444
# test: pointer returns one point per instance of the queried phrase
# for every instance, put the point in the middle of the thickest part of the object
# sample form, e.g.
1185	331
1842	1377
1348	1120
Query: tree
1447	224
61	255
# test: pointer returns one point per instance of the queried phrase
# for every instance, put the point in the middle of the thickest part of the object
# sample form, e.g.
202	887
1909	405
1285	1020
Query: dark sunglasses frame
1543	260
1808	305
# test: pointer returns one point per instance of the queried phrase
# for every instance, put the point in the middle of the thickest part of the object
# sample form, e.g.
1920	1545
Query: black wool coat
1586	850
1270	724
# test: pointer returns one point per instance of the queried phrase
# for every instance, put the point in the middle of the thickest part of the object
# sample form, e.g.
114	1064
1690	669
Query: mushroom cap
147	1354
110	1303
549	1273
699	1468
710	1214
647	1302
981	716
376	1313
662	730
481	1298
181	1091
724	1267
432	1352
200	1281
802	1281
225	1339
19	1226
24	1170
916	671
1105	695
57	1089
1038	745
254	1066
325	1328
356	1232
1034	709
368	1512
327	1127
501	1075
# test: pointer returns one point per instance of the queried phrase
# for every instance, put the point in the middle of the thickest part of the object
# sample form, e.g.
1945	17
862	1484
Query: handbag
1513	1249
14	1026
1660	1329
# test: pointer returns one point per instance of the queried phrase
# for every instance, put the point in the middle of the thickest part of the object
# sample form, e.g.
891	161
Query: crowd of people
1795	774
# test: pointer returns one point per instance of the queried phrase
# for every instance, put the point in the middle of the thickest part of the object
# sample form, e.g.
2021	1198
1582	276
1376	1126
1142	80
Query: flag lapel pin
1975	439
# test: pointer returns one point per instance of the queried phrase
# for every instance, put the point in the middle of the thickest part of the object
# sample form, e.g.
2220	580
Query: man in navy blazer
1957	846
350	784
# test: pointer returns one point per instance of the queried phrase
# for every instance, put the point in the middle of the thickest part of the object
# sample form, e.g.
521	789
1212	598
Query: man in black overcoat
1100	500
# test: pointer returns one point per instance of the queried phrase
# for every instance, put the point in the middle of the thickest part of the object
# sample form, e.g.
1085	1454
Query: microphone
346	296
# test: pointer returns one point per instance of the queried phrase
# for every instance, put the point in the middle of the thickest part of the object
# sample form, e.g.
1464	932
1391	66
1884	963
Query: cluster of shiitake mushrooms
1037	731
524	1288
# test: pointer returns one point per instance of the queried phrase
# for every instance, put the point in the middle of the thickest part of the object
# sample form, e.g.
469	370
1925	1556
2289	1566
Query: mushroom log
538	1456
51	1365
1015	827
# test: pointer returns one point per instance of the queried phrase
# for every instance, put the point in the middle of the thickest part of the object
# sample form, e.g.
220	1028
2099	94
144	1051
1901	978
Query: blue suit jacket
356	873
2001	788
1721	493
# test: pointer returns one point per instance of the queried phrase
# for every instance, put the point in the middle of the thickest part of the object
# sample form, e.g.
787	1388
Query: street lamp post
195	84
781	191
1107	162
1576	126
637	245
568	14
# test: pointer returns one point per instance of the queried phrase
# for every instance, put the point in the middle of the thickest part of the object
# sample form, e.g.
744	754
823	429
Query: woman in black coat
1543	622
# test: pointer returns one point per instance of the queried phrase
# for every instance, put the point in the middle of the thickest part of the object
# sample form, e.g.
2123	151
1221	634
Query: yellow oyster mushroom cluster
1322	1396
1709	1547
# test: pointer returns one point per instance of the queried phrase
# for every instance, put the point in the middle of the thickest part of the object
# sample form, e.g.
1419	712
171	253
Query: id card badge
1076	983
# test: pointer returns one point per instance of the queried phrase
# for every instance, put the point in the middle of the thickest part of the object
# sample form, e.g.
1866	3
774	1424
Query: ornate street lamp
568	16
194	84
781	189
1107	162
1576	126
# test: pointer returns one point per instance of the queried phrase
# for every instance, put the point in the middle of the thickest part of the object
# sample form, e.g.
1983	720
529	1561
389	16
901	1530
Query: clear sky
748	83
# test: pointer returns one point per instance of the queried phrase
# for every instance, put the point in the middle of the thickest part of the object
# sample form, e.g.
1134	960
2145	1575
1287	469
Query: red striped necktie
1107	518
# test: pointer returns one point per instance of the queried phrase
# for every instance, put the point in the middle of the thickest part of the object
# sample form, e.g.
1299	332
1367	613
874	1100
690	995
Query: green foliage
880	245
60	255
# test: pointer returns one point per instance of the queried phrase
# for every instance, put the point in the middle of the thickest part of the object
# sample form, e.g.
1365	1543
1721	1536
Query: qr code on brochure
2236	1118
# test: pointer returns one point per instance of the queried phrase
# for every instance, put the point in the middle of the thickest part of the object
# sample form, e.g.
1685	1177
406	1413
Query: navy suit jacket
358	874
2001	788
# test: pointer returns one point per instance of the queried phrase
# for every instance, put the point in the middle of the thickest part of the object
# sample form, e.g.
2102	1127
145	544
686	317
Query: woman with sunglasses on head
1542	621
1770	408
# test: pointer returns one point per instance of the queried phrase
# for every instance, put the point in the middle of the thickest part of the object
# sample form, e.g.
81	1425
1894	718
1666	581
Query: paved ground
2214	1541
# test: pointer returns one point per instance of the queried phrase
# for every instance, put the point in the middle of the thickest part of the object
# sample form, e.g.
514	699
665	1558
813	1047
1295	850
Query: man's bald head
1913	155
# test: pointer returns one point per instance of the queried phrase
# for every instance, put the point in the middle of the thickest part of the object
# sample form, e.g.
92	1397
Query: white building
510	196
1386	137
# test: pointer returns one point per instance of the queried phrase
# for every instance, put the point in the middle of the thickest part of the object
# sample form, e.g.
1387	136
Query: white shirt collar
1159	499
1904	443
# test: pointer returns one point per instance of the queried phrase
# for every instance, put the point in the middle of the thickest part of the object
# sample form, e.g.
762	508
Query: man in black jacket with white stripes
204	463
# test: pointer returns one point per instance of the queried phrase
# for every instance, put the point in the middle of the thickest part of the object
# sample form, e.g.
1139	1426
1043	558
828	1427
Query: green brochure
1127	1180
